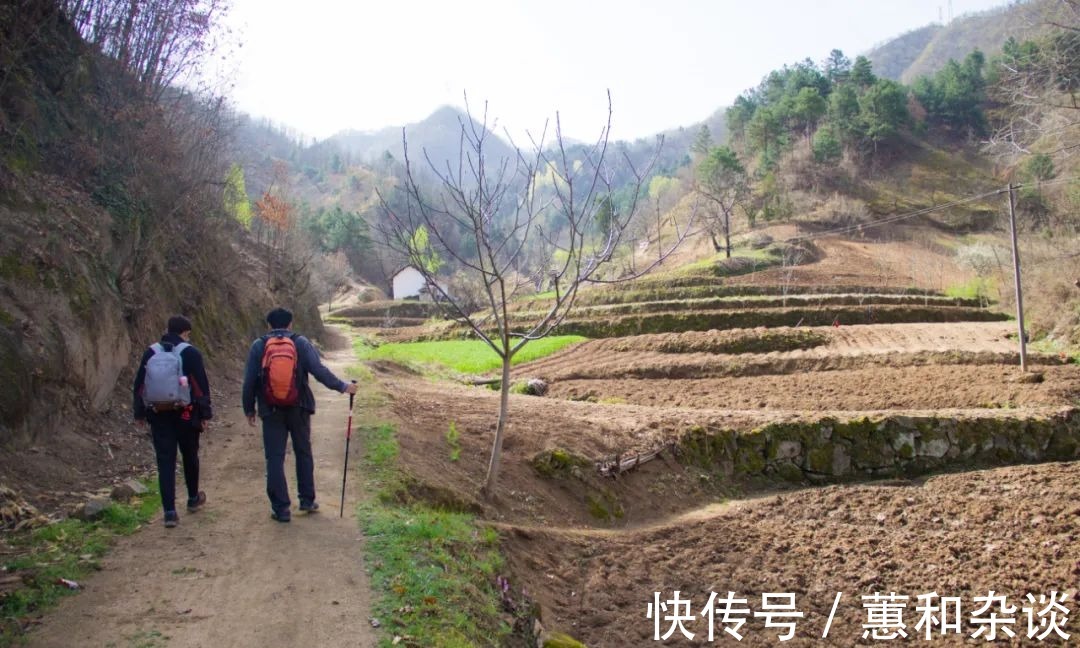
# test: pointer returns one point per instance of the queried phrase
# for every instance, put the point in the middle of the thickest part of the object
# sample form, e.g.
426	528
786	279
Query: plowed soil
849	340
882	262
636	356
877	388
1011	530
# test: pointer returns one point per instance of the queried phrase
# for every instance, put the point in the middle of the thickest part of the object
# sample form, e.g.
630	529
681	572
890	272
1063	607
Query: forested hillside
111	201
838	144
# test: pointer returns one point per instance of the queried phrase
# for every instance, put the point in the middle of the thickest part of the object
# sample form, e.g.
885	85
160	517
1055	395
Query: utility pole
1016	274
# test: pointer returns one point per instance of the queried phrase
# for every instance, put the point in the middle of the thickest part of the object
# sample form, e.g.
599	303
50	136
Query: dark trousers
277	428
170	433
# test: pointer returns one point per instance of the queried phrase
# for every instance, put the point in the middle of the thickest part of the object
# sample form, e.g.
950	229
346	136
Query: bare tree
493	221
330	273
157	41
722	179
1039	84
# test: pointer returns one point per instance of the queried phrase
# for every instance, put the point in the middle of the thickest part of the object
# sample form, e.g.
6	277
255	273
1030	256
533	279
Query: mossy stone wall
883	446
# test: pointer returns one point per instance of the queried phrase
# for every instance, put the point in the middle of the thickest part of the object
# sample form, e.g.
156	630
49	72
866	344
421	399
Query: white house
409	283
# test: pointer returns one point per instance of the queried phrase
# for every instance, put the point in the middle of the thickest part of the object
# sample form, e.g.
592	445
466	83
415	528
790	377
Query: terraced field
891	366
387	314
652	462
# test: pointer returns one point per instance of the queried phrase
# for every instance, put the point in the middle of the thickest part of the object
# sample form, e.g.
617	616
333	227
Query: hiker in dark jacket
176	424
291	415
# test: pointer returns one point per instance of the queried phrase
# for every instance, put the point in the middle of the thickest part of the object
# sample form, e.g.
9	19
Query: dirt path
229	575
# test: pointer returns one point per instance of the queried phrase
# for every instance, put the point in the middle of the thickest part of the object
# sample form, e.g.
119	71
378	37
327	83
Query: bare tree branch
495	221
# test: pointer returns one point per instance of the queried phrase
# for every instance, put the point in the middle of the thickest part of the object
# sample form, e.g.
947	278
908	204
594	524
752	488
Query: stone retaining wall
883	446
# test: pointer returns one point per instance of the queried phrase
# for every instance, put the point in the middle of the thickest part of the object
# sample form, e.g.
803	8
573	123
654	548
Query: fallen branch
618	465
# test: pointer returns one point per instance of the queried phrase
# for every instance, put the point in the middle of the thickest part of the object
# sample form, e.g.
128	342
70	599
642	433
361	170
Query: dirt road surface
229	575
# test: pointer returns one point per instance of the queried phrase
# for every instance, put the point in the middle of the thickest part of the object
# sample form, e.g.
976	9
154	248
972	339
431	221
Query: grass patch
434	571
463	356
547	294
1055	347
977	288
712	266
453	439
68	549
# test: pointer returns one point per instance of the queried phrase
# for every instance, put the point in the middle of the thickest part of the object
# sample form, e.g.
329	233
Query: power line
897	217
926	210
1054	259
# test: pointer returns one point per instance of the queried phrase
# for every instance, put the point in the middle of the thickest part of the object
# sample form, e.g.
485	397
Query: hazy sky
322	66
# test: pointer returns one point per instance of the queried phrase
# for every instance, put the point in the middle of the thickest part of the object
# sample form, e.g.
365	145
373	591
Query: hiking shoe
171	519
195	503
284	516
309	507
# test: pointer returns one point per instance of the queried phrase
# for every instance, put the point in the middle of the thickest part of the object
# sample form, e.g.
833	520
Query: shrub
843	210
827	147
758	241
981	258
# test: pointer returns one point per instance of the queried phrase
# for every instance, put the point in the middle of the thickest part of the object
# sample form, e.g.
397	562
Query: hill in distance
439	135
926	50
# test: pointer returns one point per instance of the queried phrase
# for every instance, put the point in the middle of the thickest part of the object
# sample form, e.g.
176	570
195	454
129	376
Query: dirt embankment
112	214
74	323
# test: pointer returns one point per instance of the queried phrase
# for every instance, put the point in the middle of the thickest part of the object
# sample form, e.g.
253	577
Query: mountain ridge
925	50
437	135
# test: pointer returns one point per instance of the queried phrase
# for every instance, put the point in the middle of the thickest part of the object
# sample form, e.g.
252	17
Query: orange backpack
279	372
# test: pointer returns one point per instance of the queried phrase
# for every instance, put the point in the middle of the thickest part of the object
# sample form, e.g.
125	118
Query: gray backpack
164	386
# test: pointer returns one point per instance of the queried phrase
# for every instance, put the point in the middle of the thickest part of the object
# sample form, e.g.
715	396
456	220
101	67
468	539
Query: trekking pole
345	473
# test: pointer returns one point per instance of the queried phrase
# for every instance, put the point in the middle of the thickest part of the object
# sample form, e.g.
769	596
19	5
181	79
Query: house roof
404	268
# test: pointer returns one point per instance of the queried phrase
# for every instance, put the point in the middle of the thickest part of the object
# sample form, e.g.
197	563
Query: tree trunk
488	489
727	234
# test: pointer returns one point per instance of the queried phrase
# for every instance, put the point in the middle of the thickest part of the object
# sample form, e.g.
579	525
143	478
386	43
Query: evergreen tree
703	141
844	113
837	67
862	72
763	135
739	115
954	96
808	108
882	111
826	145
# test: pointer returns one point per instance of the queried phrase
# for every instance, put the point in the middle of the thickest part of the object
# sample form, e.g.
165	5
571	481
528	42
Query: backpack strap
266	338
178	350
